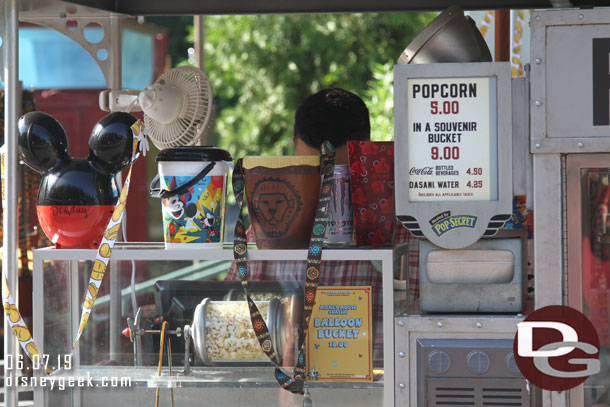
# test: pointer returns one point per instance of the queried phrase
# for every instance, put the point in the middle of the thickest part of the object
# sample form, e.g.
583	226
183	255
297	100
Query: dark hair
334	115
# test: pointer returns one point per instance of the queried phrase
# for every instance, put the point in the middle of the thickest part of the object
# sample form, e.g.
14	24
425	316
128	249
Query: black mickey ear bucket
192	186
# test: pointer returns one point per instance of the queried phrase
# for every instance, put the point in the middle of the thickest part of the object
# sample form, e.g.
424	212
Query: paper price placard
451	139
339	340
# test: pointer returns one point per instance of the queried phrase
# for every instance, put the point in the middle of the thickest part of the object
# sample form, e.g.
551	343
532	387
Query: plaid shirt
341	273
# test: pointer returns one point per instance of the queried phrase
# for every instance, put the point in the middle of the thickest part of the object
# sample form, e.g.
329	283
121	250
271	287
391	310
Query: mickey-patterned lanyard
312	275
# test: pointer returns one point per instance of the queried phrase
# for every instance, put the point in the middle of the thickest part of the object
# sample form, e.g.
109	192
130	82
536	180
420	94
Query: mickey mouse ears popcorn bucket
77	195
192	190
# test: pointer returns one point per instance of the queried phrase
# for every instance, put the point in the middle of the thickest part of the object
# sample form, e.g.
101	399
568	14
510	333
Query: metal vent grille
502	397
457	392
439	361
478	362
455	396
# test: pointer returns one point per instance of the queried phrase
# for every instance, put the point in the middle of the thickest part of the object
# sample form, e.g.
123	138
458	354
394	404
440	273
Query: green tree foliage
262	66
379	97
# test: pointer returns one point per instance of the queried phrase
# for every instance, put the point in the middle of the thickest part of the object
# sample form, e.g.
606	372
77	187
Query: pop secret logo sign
444	222
557	348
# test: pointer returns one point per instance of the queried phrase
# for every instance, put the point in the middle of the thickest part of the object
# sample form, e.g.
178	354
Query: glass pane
168	287
596	274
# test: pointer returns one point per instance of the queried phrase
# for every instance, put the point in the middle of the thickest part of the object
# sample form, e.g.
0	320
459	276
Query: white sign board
450	138
453	150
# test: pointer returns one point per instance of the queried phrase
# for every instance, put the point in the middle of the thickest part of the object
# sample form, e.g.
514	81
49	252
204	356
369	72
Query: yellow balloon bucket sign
340	336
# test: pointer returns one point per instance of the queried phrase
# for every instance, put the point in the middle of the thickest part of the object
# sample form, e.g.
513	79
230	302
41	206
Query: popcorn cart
479	155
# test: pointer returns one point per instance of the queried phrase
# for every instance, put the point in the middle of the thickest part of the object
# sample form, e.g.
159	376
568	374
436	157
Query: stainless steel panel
548	218
493	282
522	160
412	328
470	266
563	82
477	392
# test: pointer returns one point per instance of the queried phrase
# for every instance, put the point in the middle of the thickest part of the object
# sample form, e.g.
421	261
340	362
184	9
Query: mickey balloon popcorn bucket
77	196
192	187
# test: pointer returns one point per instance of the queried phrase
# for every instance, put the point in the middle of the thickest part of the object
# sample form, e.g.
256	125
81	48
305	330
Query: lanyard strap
169	362
312	275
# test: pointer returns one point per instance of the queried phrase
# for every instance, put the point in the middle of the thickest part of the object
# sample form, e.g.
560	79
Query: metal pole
502	46
198	43
116	72
10	221
115	275
199	28
74	287
389	345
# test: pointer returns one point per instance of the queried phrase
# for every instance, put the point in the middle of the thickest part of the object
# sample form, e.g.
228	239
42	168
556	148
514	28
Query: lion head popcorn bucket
282	195
192	188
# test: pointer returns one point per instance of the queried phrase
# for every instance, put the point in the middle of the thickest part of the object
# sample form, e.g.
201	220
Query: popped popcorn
258	297
228	331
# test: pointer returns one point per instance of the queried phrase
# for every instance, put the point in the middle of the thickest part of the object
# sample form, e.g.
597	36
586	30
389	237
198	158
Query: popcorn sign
453	150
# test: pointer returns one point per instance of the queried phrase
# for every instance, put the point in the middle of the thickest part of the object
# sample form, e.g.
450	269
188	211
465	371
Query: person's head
334	115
